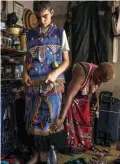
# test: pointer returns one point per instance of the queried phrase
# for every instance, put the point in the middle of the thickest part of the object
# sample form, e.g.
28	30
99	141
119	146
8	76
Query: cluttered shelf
13	44
12	64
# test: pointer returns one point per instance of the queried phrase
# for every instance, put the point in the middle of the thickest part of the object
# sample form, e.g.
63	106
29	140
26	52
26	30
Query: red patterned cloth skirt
77	124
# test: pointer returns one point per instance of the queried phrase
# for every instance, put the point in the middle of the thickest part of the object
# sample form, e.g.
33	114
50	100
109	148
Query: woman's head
103	73
43	11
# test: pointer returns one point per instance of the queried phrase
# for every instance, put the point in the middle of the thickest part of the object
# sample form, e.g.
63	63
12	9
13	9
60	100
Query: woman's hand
58	125
96	105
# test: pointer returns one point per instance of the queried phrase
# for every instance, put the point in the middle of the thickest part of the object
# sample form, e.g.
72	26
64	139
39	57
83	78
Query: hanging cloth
91	25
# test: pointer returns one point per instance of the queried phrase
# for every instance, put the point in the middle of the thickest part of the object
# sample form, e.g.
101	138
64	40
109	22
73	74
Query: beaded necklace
42	36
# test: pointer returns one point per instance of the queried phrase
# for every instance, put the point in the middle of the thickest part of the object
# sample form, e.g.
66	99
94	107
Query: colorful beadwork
55	65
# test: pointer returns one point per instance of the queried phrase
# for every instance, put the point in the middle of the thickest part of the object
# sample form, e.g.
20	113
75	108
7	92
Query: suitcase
107	126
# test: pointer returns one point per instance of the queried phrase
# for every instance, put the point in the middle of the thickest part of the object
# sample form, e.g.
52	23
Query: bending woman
86	79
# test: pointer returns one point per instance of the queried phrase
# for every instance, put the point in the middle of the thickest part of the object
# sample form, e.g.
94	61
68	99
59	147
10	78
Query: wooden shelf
10	79
6	32
12	52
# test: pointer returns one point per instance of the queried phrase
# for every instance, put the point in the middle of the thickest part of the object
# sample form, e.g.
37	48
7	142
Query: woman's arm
96	95
96	104
78	77
73	88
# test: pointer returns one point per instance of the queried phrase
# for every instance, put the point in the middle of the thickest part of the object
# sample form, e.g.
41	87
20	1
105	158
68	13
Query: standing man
45	63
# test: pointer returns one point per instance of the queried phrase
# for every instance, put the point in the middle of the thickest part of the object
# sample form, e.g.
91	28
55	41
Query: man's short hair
41	5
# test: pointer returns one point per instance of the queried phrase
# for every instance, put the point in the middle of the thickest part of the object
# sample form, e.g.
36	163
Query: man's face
44	17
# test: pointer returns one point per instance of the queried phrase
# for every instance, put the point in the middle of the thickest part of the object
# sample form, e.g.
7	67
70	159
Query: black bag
106	128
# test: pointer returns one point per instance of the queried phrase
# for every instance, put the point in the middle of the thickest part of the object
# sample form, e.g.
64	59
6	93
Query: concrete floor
88	155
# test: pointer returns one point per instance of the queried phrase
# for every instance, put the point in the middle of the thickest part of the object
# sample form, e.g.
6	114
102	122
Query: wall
58	6
27	4
114	85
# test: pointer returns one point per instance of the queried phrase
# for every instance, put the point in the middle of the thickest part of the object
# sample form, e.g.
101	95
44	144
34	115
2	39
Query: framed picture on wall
18	9
4	10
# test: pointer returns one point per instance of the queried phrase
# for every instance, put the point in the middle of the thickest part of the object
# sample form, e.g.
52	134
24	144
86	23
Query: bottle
52	156
23	45
16	72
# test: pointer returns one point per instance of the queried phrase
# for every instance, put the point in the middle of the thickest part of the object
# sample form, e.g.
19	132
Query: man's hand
27	80
51	77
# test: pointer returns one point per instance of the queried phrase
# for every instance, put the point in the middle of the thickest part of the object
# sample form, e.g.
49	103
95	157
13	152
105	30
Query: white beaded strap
116	24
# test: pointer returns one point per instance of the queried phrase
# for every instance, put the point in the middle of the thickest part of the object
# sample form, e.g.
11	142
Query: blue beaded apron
43	102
